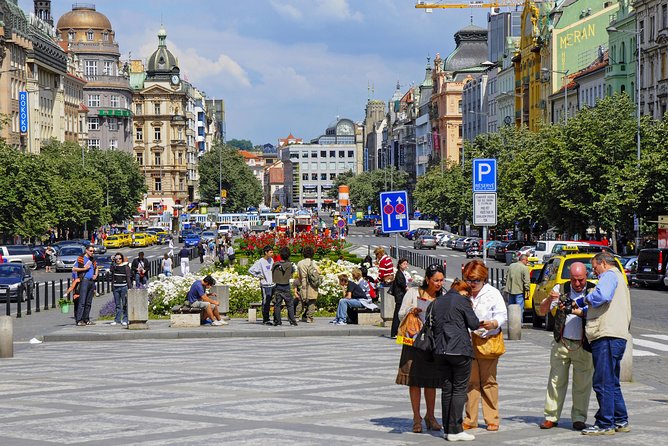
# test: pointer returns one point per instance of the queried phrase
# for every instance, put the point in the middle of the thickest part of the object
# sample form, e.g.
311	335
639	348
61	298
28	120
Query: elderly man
518	282
608	319
568	350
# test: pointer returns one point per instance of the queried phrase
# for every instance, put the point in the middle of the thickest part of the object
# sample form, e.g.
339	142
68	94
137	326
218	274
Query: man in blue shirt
608	320
199	298
86	268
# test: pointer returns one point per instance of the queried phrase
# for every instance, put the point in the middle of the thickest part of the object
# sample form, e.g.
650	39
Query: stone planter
138	309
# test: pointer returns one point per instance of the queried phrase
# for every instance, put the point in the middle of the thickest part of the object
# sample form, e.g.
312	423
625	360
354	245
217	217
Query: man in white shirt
568	349
262	270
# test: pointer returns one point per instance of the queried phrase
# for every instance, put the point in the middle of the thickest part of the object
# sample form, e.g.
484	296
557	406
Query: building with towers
89	36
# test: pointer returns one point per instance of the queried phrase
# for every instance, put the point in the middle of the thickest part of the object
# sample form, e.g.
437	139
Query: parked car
472	241
12	276
67	256
18	254
491	251
425	242
115	241
630	264
473	251
410	235
191	239
509	247
104	263
141	240
364	222
460	245
208	235
651	266
453	242
184	234
99	249
378	231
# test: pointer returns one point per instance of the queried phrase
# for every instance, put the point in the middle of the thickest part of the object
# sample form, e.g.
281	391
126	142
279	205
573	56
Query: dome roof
162	60
83	17
471	49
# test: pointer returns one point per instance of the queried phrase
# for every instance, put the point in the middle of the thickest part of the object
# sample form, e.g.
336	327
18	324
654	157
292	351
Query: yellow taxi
126	237
114	241
535	267
141	239
555	272
152	238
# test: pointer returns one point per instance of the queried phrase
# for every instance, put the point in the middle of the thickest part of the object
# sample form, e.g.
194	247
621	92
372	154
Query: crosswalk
649	346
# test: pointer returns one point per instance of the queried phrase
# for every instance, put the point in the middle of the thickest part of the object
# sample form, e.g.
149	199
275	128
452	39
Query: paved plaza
268	390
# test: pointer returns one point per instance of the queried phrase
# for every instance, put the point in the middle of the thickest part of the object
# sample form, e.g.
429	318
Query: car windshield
71	251
104	259
566	273
11	270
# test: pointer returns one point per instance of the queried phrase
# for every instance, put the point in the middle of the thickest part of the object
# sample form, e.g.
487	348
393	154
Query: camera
567	302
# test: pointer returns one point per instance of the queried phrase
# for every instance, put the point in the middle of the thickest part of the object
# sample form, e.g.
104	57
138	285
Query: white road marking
656	336
651	344
643	353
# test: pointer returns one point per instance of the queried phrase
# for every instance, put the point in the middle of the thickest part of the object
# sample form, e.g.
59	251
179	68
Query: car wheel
536	321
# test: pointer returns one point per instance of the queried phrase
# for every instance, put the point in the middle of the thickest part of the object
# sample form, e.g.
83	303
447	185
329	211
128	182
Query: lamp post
565	73
612	29
517	95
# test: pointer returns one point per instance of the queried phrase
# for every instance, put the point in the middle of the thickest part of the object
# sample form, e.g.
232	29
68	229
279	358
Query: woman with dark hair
398	288
490	308
453	317
417	369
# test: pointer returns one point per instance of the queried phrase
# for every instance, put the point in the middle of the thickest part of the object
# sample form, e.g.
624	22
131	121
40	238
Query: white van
427	224
547	248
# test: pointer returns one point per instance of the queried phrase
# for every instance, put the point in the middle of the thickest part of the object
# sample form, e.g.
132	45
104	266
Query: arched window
622	89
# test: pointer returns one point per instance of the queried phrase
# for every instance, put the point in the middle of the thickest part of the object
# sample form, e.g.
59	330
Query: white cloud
319	10
286	10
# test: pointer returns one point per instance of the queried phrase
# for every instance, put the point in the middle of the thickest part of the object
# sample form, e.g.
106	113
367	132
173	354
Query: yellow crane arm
470	4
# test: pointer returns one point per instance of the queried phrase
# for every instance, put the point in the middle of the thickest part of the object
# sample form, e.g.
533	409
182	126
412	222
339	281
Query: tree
243	188
444	194
366	187
241	144
341	179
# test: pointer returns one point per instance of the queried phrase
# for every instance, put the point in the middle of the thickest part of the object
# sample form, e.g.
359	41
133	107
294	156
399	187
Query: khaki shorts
200	304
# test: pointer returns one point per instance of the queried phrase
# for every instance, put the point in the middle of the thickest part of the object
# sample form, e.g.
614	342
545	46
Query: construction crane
470	4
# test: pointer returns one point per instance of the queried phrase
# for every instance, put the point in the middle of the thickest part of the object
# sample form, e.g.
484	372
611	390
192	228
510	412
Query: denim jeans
607	355
342	310
516	299
121	301
86	293
140	282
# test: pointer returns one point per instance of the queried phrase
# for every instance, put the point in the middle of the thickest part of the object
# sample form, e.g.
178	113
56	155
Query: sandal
432	424
492	427
417	425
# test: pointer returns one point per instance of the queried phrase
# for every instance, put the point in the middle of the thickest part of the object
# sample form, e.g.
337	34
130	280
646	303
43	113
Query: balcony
95	47
105	80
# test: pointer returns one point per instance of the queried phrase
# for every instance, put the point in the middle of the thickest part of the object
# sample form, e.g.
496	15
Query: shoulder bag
424	340
488	348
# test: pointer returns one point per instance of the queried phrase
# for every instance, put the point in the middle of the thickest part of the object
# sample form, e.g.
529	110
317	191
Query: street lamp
565	73
517	95
612	29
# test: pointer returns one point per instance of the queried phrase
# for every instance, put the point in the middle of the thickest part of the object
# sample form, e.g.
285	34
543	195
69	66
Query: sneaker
462	436
333	321
218	323
596	430
81	324
125	324
90	323
341	323
114	323
268	323
622	427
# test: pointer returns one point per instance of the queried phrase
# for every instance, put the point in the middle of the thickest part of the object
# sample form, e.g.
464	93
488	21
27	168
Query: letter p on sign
484	175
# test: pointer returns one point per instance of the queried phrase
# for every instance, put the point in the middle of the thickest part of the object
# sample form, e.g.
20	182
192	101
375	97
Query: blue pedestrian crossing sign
484	175
394	211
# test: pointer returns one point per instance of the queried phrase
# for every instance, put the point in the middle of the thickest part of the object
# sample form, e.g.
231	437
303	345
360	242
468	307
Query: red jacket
385	267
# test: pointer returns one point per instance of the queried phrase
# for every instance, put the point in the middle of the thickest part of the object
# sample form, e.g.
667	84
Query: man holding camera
568	349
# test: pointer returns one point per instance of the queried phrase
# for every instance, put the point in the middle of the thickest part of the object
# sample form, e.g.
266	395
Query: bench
252	311
364	316
185	316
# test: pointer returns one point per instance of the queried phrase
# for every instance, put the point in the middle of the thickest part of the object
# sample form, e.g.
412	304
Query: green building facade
620	76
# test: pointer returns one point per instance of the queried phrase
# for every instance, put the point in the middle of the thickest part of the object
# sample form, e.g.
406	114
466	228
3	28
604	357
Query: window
332	153
156	108
314	176
157	159
90	67
71	35
641	29
115	102
181	185
105	36
314	154
180	158
93	124
94	100
158	184
138	109
459	107
89	35
113	124
664	16
351	153
305	177
140	159
460	131
139	133
93	143
323	176
156	134
113	144
652	24
332	176
108	68
304	154
323	153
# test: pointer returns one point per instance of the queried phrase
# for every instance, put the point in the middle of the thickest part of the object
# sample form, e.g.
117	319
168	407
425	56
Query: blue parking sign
484	175
394	211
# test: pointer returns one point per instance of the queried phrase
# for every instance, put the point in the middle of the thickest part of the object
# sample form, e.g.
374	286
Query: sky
287	66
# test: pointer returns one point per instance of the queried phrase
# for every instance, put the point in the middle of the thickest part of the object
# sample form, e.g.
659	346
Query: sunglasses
473	281
435	268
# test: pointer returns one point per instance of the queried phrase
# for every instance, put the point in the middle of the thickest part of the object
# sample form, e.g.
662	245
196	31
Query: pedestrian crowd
452	340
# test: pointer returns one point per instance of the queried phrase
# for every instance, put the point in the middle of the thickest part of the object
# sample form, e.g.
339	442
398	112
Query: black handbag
424	340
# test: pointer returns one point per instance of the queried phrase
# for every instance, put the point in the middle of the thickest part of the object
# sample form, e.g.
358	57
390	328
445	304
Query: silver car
67	256
425	241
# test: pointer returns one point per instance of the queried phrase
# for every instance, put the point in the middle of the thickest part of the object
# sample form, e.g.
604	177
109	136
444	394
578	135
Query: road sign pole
484	245
396	249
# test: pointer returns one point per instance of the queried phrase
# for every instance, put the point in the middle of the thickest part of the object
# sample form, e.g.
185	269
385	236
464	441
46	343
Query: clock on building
175	79
345	128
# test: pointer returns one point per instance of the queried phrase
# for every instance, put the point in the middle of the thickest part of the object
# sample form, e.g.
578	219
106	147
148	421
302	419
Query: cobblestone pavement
255	391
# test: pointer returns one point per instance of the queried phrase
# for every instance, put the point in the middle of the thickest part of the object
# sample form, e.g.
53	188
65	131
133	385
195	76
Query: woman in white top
489	306
417	369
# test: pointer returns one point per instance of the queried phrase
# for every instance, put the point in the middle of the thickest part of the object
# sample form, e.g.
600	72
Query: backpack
313	277
281	273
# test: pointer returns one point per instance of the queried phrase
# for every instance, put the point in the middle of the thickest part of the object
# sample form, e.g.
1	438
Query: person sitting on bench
352	293
199	298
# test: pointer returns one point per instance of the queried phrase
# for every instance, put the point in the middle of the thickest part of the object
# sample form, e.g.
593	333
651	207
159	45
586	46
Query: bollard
514	322
6	337
19	297
626	365
138	309
243	261
386	304
37	309
223	298
29	303
53	294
